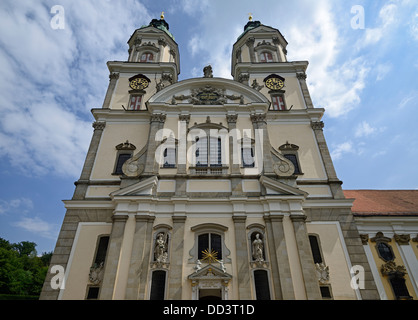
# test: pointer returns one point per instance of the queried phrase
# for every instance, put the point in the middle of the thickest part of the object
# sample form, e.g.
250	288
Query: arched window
209	242
209	239
266	56
147	57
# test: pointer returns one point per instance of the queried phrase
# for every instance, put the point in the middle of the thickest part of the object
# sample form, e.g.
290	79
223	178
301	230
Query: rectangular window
278	103
209	241
316	251
266	57
215	152
325	292
101	250
293	158
122	157
169	158
135	103
158	285
93	293
147	57
247	155
261	282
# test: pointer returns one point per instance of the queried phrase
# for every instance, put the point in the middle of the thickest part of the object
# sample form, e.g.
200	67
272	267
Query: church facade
209	188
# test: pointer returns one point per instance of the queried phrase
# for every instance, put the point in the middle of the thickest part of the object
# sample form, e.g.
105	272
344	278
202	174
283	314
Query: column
306	259
112	259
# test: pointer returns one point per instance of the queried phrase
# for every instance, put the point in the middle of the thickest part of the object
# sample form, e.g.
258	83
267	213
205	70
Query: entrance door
210	294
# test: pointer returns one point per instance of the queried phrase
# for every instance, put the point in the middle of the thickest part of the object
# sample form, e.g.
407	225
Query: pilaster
138	268
175	281
306	259
278	249
244	286
112	259
82	183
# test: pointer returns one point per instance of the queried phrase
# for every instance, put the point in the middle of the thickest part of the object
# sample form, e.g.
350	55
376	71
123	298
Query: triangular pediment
275	187
210	272
143	188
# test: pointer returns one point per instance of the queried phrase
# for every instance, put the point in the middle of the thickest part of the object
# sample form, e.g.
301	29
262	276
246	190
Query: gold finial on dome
162	15
250	16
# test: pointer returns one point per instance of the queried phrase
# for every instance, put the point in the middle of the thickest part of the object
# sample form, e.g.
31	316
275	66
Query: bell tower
258	48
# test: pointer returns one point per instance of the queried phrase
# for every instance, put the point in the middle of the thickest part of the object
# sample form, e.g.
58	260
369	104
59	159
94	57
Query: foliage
22	272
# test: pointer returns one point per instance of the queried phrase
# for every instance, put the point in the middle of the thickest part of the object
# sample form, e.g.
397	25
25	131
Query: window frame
147	54
278	95
152	282
122	148
267	274
209	228
292	149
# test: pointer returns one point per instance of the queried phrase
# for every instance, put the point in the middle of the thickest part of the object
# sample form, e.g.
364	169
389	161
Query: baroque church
212	188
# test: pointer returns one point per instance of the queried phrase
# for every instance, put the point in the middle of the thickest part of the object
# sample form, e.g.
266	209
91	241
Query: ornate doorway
210	283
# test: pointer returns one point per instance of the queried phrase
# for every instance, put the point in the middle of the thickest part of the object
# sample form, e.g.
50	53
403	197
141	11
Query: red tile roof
384	202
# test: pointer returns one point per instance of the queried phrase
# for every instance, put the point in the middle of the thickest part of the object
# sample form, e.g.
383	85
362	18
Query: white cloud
387	19
38	226
341	149
50	78
364	129
20	205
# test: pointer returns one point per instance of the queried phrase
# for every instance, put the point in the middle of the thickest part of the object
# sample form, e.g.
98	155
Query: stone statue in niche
258	248
160	250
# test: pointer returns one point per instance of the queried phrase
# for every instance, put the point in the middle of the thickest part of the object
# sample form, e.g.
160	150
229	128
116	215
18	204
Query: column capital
99	125
317	125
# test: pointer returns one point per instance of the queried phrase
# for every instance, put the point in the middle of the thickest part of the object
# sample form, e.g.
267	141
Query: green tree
22	272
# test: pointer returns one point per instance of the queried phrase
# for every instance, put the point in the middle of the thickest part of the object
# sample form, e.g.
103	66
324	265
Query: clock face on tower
139	82
274	82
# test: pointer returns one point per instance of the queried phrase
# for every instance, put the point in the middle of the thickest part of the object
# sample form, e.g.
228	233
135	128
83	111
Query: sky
362	65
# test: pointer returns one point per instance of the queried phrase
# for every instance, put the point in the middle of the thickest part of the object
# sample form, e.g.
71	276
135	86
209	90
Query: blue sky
51	78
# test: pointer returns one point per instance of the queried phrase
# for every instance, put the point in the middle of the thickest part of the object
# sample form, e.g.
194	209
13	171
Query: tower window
135	103
266	57
293	158
147	57
278	103
290	152
122	157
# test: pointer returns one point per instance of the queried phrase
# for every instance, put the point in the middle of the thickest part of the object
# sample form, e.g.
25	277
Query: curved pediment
208	91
